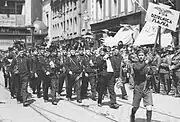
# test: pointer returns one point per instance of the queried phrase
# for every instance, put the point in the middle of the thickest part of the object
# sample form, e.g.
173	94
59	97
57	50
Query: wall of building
70	18
33	10
28	12
110	9
46	17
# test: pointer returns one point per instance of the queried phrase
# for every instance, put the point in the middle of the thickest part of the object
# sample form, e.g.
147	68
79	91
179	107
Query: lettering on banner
162	16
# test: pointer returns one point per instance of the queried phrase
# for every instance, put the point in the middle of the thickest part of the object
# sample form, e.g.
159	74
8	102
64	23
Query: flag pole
157	37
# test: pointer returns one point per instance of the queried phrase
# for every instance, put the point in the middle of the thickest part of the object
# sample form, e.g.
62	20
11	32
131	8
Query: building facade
67	19
47	18
110	14
15	17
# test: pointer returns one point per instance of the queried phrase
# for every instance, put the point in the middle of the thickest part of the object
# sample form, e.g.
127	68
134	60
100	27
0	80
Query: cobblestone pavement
166	109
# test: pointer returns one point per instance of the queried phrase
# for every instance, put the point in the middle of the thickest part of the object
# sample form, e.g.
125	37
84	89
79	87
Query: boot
132	117
149	116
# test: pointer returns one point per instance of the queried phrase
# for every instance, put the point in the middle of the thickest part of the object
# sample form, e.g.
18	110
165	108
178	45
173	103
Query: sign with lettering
162	16
9	20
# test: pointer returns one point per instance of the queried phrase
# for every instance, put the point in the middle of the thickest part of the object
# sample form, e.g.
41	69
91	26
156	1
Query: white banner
125	34
162	16
148	36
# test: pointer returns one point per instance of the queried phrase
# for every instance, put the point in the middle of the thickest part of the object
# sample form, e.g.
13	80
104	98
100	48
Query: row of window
62	8
69	26
114	8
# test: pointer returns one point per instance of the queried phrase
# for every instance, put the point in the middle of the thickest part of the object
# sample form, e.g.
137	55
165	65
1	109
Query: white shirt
109	66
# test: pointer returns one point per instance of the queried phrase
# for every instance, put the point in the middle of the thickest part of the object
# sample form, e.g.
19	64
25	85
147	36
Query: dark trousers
156	83
71	83
35	83
54	86
106	81
46	84
84	86
62	78
92	80
165	79
123	90
7	79
18	85
13	87
24	82
176	80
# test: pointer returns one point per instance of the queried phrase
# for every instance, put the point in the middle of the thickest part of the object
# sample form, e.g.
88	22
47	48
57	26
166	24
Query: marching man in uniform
74	68
142	90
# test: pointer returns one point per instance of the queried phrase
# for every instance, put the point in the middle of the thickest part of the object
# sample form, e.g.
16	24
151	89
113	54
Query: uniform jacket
74	65
165	63
43	62
176	62
23	65
90	64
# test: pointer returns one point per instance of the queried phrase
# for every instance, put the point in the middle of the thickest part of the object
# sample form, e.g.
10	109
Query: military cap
140	51
10	48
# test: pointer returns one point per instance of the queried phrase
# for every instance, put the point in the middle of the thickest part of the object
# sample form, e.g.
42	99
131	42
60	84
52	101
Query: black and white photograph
89	60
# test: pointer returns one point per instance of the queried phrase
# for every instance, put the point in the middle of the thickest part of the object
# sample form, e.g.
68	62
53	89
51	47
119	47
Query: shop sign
9	20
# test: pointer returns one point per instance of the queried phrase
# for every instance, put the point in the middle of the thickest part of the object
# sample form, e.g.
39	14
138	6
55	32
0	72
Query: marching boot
132	116
54	103
149	116
79	101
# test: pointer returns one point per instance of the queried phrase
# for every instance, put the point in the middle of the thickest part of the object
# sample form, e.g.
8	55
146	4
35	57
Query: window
67	25
75	4
47	18
114	8
130	7
71	25
75	25
122	6
67	9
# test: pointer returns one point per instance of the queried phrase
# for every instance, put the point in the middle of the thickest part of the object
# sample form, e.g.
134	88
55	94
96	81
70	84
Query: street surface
166	109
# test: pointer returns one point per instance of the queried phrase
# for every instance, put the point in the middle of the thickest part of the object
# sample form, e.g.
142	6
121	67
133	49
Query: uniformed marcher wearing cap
165	72
52	73
45	71
175	69
155	65
74	69
62	70
90	73
36	72
16	82
7	60
142	76
23	67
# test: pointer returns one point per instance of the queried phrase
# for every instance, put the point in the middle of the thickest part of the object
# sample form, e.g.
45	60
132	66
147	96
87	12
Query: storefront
10	34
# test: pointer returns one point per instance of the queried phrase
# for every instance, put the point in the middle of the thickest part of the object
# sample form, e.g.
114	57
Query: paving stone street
166	109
